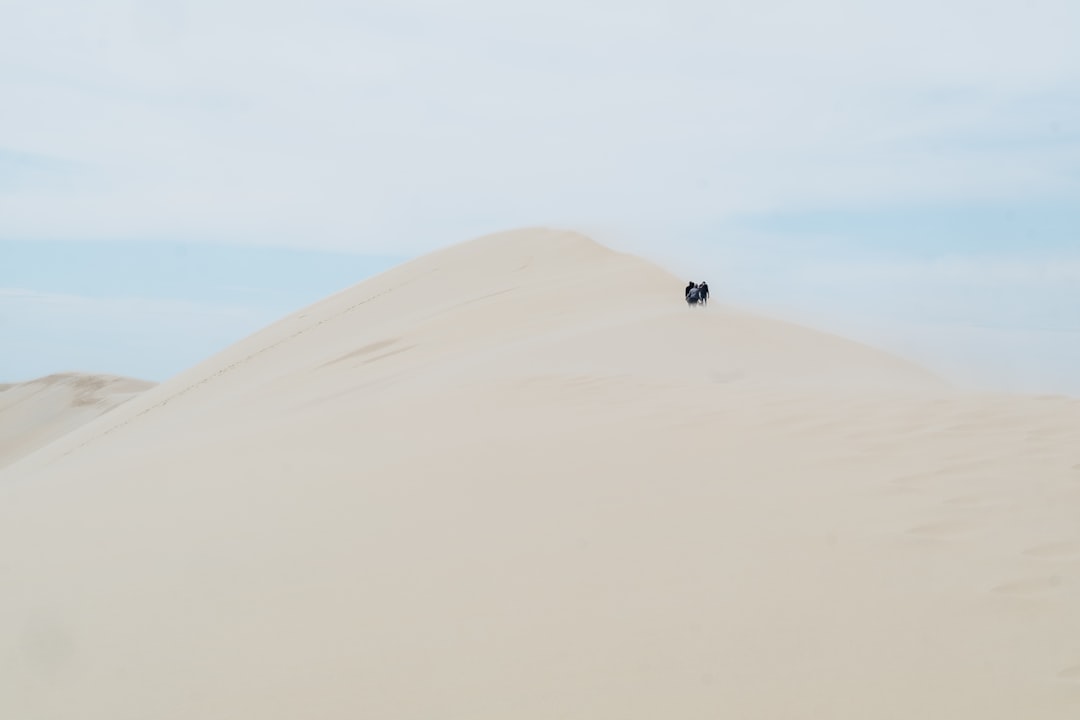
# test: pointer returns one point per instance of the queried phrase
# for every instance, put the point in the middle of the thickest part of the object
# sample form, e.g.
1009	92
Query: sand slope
519	478
35	413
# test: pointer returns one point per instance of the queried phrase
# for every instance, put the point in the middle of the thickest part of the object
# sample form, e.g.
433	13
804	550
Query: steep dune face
519	478
34	413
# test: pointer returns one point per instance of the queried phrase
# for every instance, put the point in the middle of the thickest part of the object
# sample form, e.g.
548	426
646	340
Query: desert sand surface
34	413
520	478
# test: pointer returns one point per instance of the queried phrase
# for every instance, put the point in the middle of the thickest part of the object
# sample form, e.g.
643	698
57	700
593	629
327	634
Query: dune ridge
37	412
519	477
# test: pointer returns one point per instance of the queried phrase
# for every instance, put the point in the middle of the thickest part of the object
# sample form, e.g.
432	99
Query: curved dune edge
37	412
518	477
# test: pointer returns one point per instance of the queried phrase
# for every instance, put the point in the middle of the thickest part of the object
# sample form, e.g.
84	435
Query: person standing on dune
689	287
703	292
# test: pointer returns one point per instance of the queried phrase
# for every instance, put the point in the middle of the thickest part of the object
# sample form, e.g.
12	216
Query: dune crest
533	300
37	412
518	477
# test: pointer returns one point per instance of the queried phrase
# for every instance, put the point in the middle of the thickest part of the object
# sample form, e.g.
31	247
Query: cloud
986	272
13	299
396	127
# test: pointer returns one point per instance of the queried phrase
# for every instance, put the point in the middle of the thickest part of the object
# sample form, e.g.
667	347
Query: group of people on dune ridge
697	293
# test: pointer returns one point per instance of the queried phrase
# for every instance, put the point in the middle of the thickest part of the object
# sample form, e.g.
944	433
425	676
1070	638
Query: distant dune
34	413
519	478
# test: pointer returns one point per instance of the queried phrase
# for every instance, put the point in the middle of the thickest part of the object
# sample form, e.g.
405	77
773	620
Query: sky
176	175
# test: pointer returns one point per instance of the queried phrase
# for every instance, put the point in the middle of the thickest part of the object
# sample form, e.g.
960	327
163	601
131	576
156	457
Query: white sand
519	478
34	413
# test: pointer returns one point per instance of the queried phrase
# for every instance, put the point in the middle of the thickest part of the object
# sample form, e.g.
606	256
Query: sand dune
34	413
518	478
